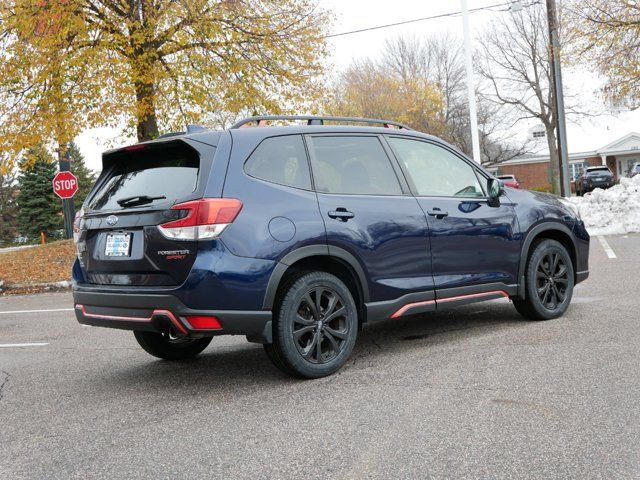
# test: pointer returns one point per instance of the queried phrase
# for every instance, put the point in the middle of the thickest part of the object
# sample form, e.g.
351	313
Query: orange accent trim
110	317
409	306
173	319
474	295
166	313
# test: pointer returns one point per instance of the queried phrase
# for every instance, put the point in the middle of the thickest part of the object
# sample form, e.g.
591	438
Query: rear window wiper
138	200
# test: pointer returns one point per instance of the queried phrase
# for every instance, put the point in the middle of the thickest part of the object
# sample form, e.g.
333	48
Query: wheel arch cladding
553	231
316	258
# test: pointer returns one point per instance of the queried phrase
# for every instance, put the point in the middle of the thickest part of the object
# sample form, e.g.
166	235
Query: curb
18	288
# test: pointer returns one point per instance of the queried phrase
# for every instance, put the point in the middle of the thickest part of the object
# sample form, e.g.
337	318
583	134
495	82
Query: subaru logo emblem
112	220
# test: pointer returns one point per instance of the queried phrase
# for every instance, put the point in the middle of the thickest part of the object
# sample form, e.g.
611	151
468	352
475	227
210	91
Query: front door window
435	171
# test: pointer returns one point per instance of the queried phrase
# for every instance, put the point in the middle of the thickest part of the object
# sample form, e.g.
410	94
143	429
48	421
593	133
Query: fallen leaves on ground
41	264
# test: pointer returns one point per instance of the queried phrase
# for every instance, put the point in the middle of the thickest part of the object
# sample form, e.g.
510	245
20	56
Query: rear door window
281	160
161	175
352	165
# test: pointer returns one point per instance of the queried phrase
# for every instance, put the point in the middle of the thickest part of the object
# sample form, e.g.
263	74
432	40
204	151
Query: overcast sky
356	14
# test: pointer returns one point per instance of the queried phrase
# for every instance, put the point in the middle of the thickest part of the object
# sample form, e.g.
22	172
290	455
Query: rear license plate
599	179
118	245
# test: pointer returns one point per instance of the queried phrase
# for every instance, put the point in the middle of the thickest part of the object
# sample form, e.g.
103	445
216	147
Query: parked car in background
509	181
594	177
295	236
635	170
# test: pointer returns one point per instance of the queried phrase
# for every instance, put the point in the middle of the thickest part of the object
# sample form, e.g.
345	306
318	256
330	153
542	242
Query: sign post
65	185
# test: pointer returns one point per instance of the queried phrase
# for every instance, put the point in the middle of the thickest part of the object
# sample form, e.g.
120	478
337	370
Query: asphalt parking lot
470	393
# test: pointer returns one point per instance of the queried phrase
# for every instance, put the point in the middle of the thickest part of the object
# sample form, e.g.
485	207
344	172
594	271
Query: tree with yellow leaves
420	81
152	64
367	89
609	39
45	89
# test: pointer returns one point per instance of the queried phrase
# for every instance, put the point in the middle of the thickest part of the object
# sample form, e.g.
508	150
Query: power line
442	15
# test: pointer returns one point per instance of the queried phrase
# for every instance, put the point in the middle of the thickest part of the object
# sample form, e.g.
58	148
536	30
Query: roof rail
318	120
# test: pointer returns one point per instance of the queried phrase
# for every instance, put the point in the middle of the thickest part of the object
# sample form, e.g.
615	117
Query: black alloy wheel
552	280
549	281
320	328
315	326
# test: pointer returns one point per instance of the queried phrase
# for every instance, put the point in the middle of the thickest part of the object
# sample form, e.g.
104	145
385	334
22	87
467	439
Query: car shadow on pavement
245	366
456	327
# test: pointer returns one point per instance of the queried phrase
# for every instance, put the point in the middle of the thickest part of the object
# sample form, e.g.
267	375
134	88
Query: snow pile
613	211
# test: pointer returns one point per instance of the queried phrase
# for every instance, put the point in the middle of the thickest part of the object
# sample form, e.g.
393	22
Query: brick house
533	170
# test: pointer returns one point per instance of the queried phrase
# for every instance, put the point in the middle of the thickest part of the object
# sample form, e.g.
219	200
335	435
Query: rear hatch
118	239
602	174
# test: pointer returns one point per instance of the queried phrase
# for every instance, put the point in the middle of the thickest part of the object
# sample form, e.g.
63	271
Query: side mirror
495	188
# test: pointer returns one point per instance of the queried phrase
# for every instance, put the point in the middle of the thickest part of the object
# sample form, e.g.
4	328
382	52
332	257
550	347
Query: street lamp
473	112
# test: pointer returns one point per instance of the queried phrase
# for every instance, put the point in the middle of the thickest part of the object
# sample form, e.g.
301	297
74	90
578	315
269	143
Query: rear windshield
161	175
598	171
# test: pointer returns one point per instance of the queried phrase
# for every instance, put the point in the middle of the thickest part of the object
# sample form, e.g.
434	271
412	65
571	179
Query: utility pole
64	163
471	93
561	127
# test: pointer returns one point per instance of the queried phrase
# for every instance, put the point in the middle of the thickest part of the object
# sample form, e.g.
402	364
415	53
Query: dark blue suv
296	236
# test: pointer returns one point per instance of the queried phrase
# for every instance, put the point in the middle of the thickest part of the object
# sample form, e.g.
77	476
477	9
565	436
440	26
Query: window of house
575	170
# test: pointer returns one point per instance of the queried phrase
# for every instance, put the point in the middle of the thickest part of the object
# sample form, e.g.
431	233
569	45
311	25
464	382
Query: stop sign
65	184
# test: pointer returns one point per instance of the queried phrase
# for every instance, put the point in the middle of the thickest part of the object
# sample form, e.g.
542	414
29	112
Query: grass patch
51	262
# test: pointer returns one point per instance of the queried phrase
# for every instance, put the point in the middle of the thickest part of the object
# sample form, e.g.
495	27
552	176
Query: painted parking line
16	312
607	248
20	345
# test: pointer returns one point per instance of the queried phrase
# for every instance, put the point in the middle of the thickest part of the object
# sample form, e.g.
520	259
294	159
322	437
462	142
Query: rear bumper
164	313
592	186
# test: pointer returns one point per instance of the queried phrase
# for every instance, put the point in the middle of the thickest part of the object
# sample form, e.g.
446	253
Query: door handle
436	212
341	214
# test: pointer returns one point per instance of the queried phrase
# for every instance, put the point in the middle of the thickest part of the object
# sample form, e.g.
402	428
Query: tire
168	348
315	326
549	282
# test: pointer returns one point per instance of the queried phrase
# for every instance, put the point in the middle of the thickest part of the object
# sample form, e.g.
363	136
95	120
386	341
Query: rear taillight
77	225
205	219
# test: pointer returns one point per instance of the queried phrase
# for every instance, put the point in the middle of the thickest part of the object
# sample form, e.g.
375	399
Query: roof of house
627	144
